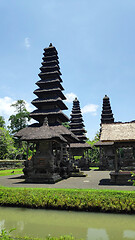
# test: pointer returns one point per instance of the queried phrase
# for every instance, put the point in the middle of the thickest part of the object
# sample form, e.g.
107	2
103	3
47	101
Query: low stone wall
122	178
6	164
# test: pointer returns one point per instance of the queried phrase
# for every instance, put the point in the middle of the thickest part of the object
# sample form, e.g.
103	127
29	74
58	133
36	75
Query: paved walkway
94	179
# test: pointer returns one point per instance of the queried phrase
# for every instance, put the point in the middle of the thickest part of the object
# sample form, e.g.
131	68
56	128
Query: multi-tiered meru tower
50	163
77	127
106	149
76	122
49	101
107	115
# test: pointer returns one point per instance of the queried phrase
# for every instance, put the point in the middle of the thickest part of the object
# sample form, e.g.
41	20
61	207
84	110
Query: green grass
94	168
46	238
10	172
6	235
69	199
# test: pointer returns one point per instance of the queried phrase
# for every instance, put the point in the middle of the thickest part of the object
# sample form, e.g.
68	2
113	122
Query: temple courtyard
93	180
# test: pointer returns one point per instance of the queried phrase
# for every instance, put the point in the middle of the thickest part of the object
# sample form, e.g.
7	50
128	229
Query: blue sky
95	40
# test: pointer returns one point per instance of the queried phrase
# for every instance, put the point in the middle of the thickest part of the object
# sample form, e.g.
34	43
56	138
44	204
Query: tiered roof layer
76	122
107	115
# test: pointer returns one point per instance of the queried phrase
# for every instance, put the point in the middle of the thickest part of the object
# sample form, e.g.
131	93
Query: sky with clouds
95	41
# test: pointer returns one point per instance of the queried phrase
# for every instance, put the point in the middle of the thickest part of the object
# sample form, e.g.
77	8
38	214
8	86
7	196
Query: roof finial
75	98
45	122
50	45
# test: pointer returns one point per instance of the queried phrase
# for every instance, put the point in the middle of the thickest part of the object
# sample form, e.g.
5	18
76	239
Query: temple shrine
77	127
123	137
106	148
50	163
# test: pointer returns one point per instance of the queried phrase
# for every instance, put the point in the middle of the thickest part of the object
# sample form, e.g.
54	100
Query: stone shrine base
122	177
43	178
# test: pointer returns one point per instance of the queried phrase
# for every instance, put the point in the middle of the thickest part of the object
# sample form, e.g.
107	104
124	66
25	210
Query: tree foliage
66	124
7	148
2	122
21	118
94	152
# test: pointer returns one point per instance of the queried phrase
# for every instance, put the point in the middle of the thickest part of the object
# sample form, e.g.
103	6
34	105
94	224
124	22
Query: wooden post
116	160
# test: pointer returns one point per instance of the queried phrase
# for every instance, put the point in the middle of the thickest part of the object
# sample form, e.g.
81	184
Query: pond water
91	226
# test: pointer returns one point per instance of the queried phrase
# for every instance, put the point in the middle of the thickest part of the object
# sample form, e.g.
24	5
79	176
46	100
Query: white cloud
27	42
90	108
70	97
6	110
5	106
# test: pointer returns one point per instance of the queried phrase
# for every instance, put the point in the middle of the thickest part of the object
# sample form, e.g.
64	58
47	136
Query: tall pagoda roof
76	122
107	115
49	104
49	101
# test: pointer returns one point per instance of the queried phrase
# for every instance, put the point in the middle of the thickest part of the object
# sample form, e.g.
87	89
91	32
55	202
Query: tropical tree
21	118
2	122
66	124
7	149
94	153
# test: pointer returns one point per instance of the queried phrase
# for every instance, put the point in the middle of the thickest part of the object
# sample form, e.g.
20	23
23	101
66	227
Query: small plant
29	158
132	178
5	235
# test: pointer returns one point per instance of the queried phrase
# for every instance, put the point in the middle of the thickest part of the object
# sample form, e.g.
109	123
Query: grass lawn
67	199
94	168
6	235
91	200
11	172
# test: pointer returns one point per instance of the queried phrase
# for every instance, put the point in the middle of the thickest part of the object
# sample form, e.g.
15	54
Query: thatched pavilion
50	163
121	136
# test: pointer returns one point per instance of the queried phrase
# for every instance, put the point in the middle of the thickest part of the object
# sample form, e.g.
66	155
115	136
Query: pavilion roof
45	132
118	132
80	145
100	144
41	133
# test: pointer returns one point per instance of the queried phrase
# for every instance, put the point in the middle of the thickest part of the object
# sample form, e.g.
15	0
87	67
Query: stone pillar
116	160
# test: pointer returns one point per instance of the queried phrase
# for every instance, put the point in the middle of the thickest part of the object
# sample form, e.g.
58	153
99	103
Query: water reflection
96	234
41	223
20	225
2	224
129	234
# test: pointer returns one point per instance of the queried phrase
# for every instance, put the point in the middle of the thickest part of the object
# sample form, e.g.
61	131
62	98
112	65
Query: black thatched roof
49	113
38	102
50	97
76	121
78	130
107	115
49	84
39	133
45	132
75	124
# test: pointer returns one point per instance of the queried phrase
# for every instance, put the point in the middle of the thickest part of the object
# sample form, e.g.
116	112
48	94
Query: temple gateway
50	162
